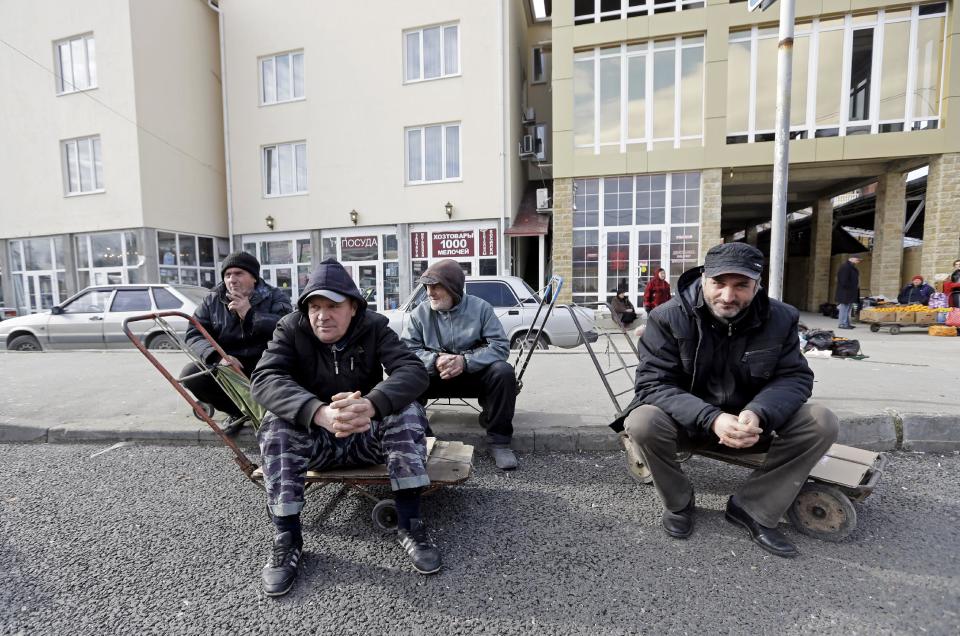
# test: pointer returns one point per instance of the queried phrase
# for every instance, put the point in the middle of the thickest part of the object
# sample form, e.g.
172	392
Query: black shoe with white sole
281	569
423	553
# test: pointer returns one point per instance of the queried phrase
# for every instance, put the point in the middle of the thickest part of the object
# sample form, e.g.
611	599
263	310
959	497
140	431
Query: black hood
331	275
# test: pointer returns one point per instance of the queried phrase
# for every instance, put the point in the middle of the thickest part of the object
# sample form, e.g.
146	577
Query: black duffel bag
846	348
820	339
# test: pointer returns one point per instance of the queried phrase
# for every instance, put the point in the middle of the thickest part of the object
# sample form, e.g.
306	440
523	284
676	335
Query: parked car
93	319
515	304
7	312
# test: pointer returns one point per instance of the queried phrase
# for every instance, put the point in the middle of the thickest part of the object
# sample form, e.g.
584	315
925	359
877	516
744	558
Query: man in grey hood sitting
464	348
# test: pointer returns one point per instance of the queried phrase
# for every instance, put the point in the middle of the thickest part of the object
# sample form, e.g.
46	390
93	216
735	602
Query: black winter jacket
244	340
693	367
848	284
298	374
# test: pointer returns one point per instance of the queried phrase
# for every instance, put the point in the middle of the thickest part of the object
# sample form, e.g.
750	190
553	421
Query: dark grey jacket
246	339
298	374
694	367
848	284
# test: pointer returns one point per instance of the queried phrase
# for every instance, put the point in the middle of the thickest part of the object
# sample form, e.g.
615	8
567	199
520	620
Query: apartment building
662	130
383	134
113	170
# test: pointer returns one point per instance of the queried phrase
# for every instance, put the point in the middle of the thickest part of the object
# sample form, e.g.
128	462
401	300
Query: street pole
781	153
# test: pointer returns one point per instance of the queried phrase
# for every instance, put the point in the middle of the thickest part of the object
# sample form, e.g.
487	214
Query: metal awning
529	223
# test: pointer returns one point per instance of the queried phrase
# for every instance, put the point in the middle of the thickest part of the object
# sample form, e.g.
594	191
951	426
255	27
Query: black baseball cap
733	258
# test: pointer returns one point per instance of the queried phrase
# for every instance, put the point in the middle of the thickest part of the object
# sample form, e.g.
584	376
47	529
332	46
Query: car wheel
162	342
517	339
24	343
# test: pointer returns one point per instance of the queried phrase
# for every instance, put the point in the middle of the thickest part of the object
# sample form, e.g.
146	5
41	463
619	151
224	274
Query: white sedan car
515	304
93	319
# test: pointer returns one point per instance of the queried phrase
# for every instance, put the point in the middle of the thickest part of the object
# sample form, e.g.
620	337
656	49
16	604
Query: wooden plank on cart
450	463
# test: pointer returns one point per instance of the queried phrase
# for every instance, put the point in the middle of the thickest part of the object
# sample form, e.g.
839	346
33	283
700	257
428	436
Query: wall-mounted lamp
354	216
449	209
269	221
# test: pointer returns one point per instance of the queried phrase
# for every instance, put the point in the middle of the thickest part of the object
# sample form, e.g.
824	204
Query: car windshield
194	294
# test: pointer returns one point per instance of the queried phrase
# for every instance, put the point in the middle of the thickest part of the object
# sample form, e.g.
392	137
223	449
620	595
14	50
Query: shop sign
683	255
418	245
488	242
453	244
359	248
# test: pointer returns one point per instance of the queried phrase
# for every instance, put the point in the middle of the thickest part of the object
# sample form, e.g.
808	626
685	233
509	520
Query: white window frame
810	128
626	11
443	58
95	148
273	60
264	174
677	44
423	153
536	52
65	85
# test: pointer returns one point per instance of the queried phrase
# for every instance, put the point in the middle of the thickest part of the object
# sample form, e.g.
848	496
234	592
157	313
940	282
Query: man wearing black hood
322	380
240	314
720	367
464	349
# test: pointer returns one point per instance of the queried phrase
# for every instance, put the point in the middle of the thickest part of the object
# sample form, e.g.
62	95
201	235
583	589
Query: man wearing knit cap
240	313
464	349
720	368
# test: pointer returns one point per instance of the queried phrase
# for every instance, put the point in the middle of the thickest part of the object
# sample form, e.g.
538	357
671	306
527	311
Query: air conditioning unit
529	116
543	199
527	147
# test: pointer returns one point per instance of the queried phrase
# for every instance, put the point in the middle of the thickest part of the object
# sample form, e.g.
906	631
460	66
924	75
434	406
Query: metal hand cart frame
823	508
448	462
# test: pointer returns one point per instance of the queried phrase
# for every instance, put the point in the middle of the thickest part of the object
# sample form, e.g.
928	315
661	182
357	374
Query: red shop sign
452	244
488	242
418	245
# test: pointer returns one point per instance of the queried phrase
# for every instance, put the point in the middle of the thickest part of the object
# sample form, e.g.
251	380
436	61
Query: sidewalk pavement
903	396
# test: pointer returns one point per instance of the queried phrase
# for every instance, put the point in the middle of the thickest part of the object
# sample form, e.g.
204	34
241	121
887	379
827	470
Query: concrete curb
879	432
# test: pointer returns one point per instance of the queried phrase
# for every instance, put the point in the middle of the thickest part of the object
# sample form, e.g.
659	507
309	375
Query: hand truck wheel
637	470
894	330
207	408
874	328
384	514
823	512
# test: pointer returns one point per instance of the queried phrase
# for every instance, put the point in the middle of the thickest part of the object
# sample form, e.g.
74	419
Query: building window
589	11
540	141
110	258
538	69
187	259
82	165
648	94
281	78
75	64
433	153
431	52
285	262
38	273
285	169
855	74
626	227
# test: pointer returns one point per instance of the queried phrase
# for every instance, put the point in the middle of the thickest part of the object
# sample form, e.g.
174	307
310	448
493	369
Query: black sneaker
422	552
281	569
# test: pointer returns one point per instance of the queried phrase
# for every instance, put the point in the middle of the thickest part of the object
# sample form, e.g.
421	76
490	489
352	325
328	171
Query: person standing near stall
657	291
848	290
917	292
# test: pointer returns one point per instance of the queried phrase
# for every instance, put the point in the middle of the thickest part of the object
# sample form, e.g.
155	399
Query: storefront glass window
488	267
37	253
359	248
328	247
390	250
188	249
107	249
304	251
205	251
586	252
276	253
391	285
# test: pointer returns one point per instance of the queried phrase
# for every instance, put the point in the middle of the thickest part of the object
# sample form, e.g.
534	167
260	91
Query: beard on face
441	304
726	311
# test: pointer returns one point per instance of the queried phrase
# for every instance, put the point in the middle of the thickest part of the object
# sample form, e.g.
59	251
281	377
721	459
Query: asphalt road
147	539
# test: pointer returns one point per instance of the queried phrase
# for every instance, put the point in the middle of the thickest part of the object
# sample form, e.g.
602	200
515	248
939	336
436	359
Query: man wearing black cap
720	367
240	313
464	349
322	379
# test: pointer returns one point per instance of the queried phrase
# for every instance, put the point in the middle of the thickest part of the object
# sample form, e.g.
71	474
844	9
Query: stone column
710	188
818	265
941	225
563	236
887	256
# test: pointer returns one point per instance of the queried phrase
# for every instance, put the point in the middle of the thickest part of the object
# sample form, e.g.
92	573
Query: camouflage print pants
288	452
